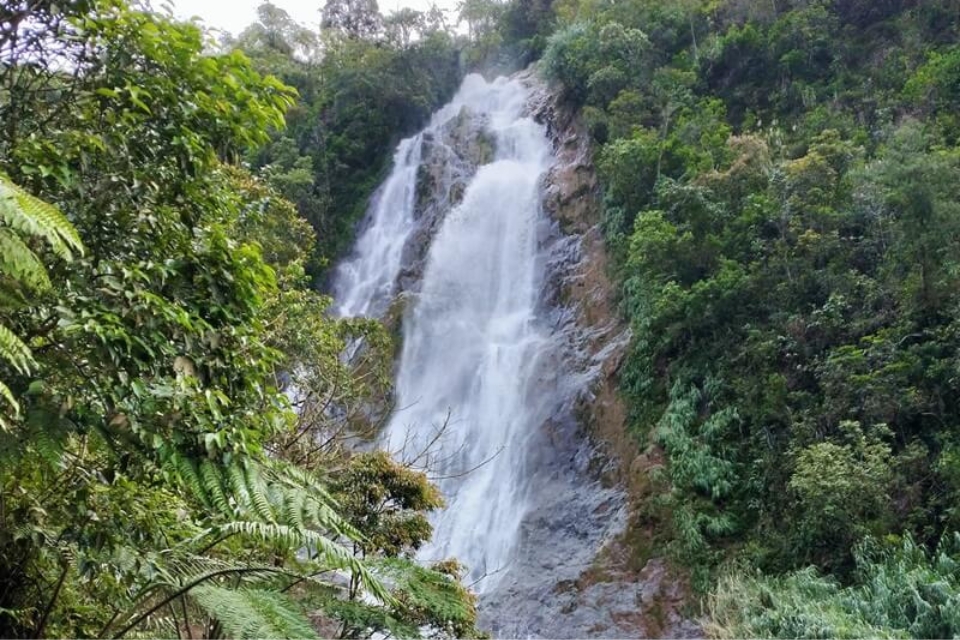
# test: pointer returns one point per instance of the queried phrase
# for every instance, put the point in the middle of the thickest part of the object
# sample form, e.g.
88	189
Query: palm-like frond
21	214
32	216
437	596
14	351
278	505
7	395
253	613
324	550
271	491
19	262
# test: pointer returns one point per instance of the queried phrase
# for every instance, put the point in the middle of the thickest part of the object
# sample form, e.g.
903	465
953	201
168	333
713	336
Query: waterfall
365	282
473	380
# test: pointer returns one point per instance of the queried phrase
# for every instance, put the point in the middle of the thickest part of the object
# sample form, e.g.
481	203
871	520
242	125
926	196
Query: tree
356	19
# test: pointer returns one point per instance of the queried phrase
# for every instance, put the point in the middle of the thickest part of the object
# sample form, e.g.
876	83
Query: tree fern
33	217
23	214
19	262
17	354
280	506
433	596
14	351
253	613
328	553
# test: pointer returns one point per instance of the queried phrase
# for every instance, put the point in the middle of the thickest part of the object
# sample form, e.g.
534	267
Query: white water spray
475	353
367	279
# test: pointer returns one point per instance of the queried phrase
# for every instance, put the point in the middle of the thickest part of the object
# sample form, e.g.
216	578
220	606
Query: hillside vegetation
781	186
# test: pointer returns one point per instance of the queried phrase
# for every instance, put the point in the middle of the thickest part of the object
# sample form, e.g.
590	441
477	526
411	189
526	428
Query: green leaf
253	613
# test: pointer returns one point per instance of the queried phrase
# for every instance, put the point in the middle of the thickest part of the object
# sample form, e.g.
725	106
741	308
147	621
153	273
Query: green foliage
31	216
595	62
432	596
387	501
779	186
253	613
157	480
373	83
900	591
22	217
841	487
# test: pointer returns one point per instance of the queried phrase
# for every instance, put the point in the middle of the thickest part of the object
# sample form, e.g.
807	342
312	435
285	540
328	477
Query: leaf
253	613
14	351
19	262
331	554
33	217
7	395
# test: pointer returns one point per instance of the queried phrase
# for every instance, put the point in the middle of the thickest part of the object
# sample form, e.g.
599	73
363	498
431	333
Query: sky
235	15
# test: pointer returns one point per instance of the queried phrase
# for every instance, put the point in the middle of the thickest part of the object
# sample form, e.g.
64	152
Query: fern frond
359	615
186	469
330	554
237	482
213	486
15	352
18	261
253	613
318	506
439	596
32	216
294	506
257	491
298	477
7	395
197	570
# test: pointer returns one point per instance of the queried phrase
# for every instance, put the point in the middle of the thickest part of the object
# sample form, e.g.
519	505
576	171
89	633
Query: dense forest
780	192
781	200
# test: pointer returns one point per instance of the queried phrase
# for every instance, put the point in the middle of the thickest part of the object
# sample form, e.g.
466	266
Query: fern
14	351
253	613
22	213
277	505
257	490
436	597
268	491
20	263
360	618
328	553
33	217
213	483
7	395
186	470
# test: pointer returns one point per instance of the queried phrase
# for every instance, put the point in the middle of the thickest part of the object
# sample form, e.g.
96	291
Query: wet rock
450	158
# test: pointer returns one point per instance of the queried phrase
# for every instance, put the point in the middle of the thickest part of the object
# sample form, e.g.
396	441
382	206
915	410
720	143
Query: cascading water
472	341
365	282
473	344
368	279
491	365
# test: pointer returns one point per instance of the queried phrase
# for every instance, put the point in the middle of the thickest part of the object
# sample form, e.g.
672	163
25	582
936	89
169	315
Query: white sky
234	15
